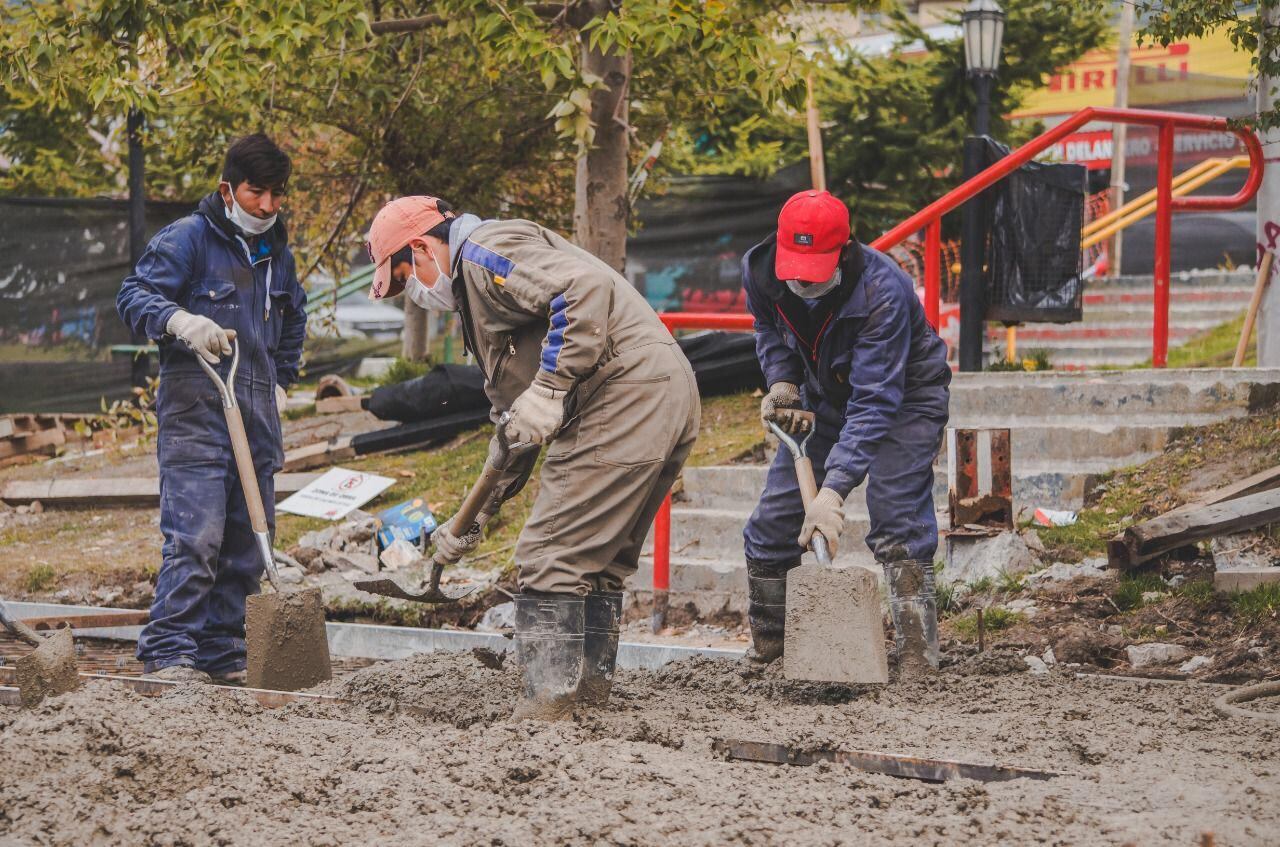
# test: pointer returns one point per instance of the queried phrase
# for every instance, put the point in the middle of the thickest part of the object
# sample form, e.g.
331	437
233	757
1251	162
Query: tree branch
547	11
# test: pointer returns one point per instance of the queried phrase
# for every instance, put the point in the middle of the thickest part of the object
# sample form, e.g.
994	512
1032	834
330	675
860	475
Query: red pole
661	563
933	272
1164	233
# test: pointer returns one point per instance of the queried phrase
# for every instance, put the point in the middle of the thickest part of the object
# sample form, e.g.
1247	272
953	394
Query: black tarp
723	363
1033	261
61	264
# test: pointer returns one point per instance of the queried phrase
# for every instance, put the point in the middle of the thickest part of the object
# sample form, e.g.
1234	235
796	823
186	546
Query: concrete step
1223	392
1043	335
1178	294
716	586
1213	312
1054	485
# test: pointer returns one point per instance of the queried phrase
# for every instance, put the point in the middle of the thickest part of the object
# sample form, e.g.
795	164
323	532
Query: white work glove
451	548
205	338
536	415
282	399
779	406
826	515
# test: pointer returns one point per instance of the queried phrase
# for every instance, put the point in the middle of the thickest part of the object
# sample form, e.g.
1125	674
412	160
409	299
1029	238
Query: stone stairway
1116	329
1067	427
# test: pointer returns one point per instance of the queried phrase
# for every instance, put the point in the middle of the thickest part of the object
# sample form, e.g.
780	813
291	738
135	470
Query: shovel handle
244	465
18	628
483	487
808	491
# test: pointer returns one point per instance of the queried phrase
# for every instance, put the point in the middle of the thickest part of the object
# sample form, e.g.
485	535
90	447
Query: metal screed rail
930	220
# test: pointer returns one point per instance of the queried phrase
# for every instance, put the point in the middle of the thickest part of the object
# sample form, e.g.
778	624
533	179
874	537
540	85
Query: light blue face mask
438	296
814	290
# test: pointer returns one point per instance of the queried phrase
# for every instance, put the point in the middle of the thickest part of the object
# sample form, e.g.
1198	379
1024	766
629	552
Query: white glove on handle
826	515
208	340
451	548
536	415
783	398
282	399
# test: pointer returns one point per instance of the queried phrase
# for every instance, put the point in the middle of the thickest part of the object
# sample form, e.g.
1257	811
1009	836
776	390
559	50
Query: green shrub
1199	592
40	578
1252	607
1128	593
994	619
402	369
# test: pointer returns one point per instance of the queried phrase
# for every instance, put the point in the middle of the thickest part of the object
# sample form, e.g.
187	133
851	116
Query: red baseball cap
398	223
812	228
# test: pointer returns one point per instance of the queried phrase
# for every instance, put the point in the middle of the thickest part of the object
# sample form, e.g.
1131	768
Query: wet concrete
288	649
48	670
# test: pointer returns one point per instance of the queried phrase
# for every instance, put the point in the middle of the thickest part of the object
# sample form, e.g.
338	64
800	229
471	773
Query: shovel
287	646
464	520
833	630
50	668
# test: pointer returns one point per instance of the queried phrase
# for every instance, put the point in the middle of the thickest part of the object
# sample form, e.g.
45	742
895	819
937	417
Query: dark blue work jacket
201	263
863	353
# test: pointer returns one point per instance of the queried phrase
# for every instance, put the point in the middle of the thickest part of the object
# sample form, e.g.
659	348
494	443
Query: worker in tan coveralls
583	364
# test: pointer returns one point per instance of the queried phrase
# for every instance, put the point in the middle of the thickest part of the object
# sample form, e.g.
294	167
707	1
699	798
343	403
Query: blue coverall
202	263
876	376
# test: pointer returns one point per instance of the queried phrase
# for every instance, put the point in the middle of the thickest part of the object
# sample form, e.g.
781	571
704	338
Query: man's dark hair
256	159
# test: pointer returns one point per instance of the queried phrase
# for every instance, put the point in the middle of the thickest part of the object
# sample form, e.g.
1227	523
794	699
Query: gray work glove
826	515
451	548
282	399
205	338
779	406
536	414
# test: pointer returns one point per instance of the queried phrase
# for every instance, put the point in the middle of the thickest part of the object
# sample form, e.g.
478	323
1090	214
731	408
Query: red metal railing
929	219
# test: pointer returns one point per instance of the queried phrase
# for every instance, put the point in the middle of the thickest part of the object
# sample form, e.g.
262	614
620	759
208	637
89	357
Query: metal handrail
930	217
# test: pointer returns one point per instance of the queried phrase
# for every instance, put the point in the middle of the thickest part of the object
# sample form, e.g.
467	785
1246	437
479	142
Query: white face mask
812	291
439	296
245	221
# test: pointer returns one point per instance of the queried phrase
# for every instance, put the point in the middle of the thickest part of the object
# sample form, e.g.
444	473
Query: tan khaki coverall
535	307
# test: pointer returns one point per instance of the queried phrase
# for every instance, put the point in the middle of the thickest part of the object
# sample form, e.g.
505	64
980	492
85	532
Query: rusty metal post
979	478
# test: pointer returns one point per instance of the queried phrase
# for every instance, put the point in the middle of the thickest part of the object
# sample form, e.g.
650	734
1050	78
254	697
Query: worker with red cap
582	363
841	333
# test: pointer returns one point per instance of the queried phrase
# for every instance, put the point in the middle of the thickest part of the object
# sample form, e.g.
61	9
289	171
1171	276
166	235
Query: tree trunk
1268	222
600	208
414	340
141	366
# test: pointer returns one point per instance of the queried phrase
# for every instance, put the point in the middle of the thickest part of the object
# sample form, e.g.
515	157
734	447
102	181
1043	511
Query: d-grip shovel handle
465	518
244	458
807	482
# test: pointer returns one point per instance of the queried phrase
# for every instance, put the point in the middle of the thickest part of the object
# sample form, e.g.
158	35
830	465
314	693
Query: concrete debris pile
348	548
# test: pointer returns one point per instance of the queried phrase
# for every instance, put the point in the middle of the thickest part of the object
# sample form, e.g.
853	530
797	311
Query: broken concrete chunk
1035	665
1145	655
1232	580
353	560
399	554
1238	551
972	559
290	574
320	539
500	617
1048	658
1195	663
1022	606
1065	571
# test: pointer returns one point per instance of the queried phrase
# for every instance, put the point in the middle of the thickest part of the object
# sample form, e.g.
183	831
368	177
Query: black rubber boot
767	609
600	649
549	647
914	608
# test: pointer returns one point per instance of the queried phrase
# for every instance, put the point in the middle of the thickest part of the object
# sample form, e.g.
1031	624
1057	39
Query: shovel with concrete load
287	646
833	630
462	521
50	668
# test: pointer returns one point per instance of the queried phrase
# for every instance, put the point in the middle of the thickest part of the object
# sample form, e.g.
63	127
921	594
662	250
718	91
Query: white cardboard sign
335	494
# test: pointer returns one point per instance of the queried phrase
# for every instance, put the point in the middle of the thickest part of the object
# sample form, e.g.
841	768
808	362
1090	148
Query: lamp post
983	23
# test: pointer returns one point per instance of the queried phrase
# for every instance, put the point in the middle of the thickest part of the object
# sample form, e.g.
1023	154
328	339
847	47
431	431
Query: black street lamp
983	22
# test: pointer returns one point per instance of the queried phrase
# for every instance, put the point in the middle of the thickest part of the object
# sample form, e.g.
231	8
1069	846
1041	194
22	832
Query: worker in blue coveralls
841	333
223	273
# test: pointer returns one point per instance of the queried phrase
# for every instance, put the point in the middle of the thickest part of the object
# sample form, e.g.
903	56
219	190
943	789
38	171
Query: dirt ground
1142	762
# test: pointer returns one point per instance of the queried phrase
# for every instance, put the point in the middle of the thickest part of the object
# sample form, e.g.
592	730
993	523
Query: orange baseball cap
398	223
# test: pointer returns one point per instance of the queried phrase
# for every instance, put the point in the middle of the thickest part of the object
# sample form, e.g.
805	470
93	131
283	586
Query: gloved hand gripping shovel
50	668
287	645
833	626
463	521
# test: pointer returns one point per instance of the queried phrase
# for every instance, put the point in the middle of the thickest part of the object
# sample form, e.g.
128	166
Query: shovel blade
47	670
390	588
288	649
834	627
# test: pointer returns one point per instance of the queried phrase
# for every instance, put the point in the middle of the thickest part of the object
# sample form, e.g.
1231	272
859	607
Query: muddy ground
1142	762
